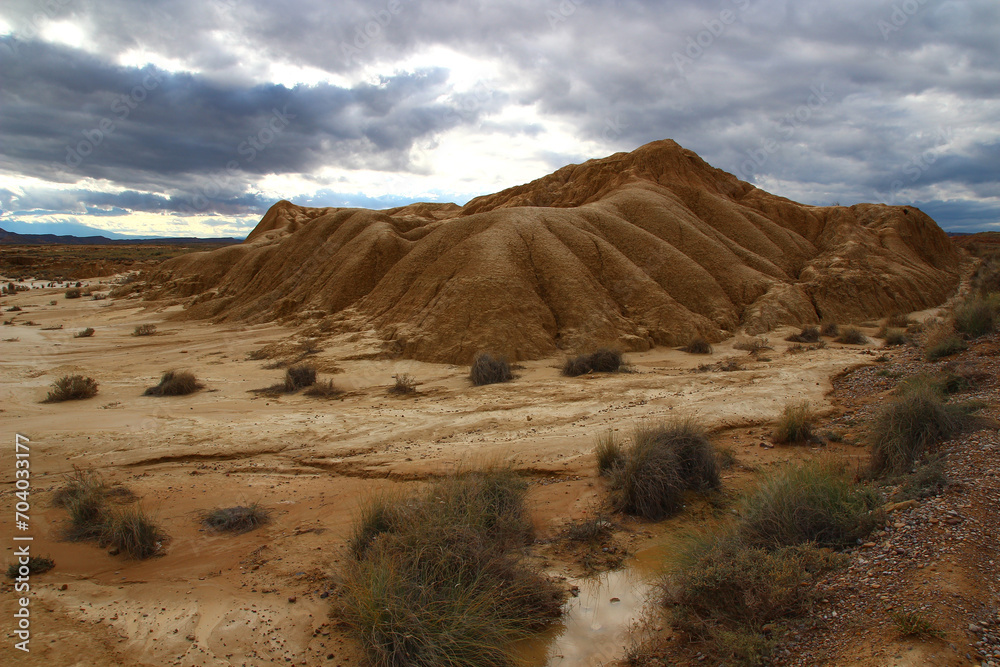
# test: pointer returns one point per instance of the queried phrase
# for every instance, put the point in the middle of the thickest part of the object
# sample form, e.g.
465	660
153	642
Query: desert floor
262	597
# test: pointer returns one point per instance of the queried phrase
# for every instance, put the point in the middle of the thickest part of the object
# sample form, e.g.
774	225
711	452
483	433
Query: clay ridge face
637	249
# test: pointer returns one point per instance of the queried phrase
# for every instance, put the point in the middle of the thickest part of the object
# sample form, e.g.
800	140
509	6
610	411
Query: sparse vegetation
829	329
851	335
144	330
436	579
977	315
595	529
698	345
489	369
660	464
928	480
35	565
915	624
84	333
794	425
175	383
903	428
131	531
238	519
604	360
895	337
897	320
945	347
806	335
299	376
754	345
326	389
73	293
72	388
405	384
609	452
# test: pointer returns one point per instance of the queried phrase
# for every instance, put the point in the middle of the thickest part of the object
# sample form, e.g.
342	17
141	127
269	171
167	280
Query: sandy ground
259	598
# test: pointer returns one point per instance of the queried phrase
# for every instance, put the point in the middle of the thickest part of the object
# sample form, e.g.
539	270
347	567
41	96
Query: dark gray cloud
849	101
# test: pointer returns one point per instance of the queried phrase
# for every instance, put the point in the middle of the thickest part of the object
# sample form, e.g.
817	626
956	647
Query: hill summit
646	248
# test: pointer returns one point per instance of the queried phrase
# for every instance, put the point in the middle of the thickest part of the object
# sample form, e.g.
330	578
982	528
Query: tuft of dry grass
754	345
915	624
829	329
489	369
175	383
132	531
404	384
794	425
604	360
324	390
144	330
851	335
238	519
698	345
84	333
72	388
609	452
299	376
806	335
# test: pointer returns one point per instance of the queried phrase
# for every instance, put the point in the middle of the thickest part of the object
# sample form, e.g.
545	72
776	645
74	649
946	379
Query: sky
192	117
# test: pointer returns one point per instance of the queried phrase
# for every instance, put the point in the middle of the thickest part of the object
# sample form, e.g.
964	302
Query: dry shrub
806	335
895	337
131	531
851	335
437	580
84	333
72	388
489	369
73	293
946	346
609	452
35	565
977	315
753	345
144	330
897	320
698	345
175	383
660	464
829	329
794	425
404	384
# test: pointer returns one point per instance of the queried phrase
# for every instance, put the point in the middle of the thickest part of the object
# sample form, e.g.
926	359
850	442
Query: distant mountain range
11	238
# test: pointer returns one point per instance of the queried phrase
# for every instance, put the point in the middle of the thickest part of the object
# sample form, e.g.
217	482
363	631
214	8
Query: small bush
895	337
904	428
945	347
594	529
132	532
36	565
238	519
897	321
72	388
754	345
730	365
663	462
14	309
829	329
84	496
73	293
324	390
297	377
806	335
698	345
487	369
144	330
813	503
175	383
604	360
84	333
851	336
914	624
609	452
977	315
794	425
405	384
436	579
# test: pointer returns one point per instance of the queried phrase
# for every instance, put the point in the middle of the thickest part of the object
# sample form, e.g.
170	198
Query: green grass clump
175	383
660	464
698	345
851	336
36	565
604	360
903	429
131	531
609	452
238	519
915	624
794	425
489	369
978	315
436	578
72	388
299	376
814	503
944	346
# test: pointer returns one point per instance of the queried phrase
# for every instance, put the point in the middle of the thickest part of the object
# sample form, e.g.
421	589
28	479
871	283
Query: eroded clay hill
637	249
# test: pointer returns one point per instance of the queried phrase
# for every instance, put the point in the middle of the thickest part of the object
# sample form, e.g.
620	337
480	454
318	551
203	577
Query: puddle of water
594	627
